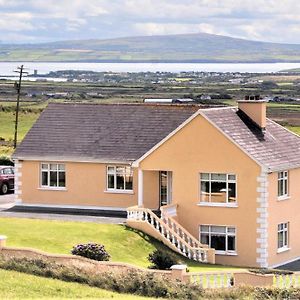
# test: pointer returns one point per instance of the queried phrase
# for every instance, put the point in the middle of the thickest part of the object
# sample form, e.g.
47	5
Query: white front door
165	187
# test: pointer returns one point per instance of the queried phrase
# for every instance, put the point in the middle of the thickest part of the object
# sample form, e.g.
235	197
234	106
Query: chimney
255	108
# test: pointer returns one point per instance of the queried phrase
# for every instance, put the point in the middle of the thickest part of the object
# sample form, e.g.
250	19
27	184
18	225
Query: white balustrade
213	280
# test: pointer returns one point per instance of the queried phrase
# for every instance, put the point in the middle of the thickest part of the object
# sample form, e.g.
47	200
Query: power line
21	72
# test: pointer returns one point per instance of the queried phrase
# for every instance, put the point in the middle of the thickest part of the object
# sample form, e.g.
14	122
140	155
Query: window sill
283	198
225	253
211	204
284	249
52	189
119	192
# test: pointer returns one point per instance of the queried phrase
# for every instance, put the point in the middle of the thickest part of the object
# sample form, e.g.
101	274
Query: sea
7	68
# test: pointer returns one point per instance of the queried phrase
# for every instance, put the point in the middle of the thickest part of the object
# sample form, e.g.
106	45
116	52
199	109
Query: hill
201	47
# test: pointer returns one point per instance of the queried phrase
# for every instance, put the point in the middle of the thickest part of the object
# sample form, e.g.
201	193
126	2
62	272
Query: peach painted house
226	180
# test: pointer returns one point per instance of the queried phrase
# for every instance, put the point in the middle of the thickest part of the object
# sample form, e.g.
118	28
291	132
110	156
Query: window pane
218	229
128	182
62	179
120	182
204	239
231	177
111	170
53	167
231	243
218	192
280	239
218	177
120	170
231	192
12	171
110	181
218	242
44	178
231	230
204	191
53	178
285	190
45	166
204	228
204	176
61	167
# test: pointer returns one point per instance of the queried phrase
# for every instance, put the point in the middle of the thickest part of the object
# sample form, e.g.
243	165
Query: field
15	285
121	242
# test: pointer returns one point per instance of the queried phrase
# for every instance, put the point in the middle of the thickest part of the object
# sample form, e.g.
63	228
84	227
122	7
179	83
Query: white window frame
227	203
283	228
48	186
227	233
283	178
114	173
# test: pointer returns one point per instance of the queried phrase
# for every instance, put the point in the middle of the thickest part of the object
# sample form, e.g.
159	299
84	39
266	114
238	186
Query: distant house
168	100
225	179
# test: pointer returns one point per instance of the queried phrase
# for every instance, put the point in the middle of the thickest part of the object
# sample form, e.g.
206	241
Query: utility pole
21	72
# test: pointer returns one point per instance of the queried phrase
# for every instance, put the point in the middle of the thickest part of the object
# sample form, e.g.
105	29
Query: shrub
162	260
264	271
92	251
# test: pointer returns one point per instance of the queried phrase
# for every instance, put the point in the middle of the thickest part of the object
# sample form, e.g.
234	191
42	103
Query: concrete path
7	201
60	217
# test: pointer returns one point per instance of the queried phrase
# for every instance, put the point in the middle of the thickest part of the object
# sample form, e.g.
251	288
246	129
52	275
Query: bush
162	260
5	161
92	251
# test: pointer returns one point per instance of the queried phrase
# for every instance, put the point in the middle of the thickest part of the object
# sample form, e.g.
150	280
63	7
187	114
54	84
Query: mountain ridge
199	47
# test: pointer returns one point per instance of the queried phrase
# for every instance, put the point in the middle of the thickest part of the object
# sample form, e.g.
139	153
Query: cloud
40	20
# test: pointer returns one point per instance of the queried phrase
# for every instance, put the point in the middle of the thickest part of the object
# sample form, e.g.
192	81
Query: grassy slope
14	285
123	244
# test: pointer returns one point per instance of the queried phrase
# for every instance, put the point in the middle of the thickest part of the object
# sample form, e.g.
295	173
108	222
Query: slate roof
125	132
276	148
107	132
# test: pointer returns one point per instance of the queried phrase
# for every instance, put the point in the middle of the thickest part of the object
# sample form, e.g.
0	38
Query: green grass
15	285
295	129
7	123
122	243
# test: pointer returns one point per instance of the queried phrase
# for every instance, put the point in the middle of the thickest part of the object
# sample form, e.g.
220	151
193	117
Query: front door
165	187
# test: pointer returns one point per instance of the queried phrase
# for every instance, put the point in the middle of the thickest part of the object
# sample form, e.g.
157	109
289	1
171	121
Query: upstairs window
119	178
53	175
218	188
283	236
283	184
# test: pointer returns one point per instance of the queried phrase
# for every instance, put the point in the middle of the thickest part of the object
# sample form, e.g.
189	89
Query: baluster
162	231
222	280
151	220
173	239
215	281
168	234
183	249
194	255
178	245
208	281
201	283
189	253
157	225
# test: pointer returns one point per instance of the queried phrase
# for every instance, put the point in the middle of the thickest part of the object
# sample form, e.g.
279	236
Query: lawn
122	243
15	285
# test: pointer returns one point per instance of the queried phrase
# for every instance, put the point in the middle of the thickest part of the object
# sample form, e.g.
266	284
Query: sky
35	21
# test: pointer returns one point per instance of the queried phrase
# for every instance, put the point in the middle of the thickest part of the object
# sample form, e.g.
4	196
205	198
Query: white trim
72	159
140	188
285	262
262	219
129	192
283	249
18	181
75	206
215	204
137	162
55	189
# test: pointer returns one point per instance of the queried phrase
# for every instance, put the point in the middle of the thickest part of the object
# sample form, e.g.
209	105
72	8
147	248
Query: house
225	179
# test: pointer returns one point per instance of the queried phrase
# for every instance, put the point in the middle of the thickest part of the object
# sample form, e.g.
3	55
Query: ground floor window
283	236
53	175
119	178
221	238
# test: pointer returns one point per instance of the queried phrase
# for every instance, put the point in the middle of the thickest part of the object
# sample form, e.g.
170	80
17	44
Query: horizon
38	21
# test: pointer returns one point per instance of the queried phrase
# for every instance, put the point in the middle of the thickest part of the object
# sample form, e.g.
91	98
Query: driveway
7	201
